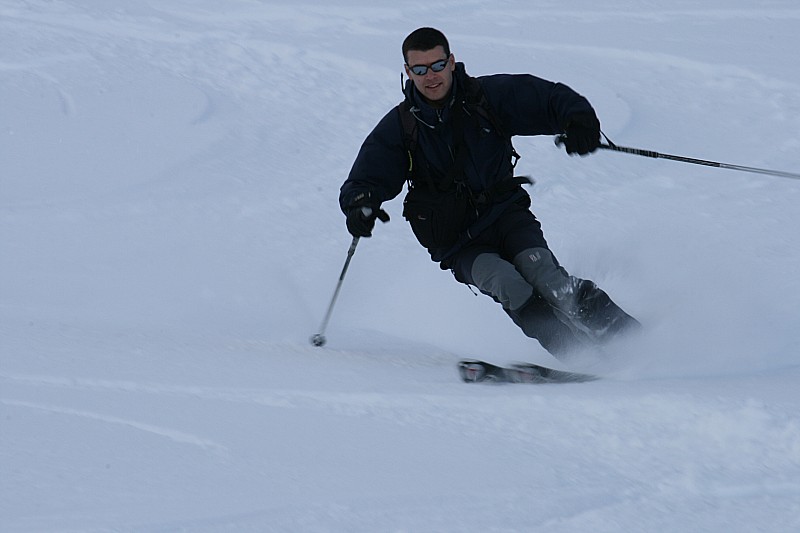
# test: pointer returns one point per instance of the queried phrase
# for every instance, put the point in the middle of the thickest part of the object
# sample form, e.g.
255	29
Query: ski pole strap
658	155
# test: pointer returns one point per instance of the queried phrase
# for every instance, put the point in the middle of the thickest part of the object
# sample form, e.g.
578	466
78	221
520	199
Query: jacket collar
425	113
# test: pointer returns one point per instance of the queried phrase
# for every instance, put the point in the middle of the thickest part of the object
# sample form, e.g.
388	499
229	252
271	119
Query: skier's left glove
582	134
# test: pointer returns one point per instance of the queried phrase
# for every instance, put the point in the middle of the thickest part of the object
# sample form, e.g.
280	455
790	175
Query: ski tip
472	371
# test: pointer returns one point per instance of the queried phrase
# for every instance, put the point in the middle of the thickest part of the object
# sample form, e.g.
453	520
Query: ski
474	371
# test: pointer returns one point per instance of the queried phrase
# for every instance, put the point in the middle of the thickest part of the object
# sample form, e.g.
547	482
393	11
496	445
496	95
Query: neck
437	104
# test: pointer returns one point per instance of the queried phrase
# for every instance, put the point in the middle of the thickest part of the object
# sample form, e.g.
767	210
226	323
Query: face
434	86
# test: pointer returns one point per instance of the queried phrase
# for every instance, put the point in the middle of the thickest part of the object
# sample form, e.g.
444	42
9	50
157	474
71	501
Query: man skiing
450	140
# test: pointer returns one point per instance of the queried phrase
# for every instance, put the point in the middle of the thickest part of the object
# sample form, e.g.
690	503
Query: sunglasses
421	70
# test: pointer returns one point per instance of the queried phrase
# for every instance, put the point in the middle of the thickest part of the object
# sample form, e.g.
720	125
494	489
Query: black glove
361	215
582	134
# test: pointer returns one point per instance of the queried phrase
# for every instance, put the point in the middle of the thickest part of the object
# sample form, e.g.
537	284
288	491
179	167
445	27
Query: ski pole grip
382	215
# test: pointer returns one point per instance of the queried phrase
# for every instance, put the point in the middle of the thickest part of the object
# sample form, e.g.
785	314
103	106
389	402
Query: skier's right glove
361	215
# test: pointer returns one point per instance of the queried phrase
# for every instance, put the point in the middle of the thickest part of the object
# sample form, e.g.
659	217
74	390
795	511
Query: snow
171	238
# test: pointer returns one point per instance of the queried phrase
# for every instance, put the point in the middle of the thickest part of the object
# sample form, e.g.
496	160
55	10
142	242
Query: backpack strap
410	134
417	169
476	101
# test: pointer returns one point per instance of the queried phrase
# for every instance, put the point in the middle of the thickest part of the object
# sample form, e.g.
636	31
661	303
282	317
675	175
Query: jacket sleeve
527	105
380	167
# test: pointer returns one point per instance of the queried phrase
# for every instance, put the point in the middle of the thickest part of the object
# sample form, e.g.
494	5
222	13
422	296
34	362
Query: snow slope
170	238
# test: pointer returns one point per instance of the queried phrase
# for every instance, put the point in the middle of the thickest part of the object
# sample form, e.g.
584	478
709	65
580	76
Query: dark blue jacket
522	103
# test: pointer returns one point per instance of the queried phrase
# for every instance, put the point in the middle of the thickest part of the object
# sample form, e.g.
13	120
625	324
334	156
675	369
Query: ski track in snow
170	238
171	434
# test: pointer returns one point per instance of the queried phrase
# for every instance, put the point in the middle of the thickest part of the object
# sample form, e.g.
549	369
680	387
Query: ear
452	61
408	70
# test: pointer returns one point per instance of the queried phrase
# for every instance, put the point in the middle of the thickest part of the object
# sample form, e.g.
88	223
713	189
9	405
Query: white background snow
170	238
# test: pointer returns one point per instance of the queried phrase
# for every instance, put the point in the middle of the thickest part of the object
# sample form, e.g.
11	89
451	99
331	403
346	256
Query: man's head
429	63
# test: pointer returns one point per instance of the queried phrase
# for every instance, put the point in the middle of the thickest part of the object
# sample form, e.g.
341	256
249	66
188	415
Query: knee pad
542	271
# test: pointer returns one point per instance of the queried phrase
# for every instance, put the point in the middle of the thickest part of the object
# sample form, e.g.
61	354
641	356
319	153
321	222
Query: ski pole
658	155
319	339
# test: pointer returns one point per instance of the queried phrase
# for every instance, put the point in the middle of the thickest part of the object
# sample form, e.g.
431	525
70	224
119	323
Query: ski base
474	371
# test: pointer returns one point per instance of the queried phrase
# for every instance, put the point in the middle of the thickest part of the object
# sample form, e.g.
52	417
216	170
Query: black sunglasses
421	70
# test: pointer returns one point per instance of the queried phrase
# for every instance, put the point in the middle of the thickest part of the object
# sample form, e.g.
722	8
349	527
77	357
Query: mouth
433	86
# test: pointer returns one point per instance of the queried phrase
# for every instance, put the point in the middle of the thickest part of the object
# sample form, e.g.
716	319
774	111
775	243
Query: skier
450	140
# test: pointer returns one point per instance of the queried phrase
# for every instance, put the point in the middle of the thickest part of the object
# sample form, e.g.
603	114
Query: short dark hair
423	39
